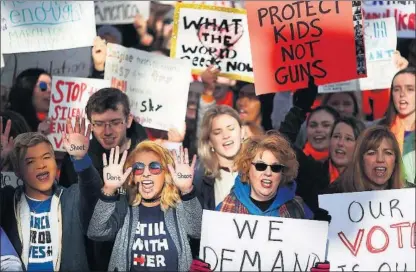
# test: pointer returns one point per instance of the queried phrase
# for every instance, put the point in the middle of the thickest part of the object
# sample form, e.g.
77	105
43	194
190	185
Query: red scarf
317	155
41	116
333	172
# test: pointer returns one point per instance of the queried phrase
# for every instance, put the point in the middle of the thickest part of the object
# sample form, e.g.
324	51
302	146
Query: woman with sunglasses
265	186
151	223
30	96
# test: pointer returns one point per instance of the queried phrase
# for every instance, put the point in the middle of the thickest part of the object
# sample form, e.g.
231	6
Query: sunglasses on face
43	86
155	168
261	166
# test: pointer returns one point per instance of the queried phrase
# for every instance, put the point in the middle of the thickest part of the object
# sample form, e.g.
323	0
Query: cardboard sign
32	26
71	62
69	97
237	242
402	11
371	231
292	40
380	43
10	179
157	86
120	12
209	35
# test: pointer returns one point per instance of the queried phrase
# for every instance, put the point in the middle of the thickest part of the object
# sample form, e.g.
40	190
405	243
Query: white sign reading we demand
120	12
371	231
239	242
157	86
31	26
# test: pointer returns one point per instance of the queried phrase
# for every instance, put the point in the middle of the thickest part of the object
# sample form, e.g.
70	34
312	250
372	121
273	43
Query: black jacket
76	208
313	176
99	253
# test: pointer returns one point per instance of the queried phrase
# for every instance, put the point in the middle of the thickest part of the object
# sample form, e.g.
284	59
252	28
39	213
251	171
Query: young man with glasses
108	111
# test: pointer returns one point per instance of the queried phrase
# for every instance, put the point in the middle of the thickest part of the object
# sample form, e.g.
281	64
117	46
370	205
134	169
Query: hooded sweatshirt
285	204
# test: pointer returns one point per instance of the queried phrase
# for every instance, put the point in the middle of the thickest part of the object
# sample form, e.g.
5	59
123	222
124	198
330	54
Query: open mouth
403	104
319	139
147	185
44	176
228	144
380	171
340	152
266	183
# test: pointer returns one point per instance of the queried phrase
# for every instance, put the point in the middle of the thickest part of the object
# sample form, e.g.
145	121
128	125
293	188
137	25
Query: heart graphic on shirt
233	32
139	260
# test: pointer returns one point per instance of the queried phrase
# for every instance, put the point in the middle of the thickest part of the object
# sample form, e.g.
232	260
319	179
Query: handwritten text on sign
305	39
258	243
380	44
120	12
208	35
157	86
68	100
32	26
402	11
371	231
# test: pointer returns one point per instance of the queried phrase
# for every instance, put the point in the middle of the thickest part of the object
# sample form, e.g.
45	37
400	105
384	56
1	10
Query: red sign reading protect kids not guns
291	40
68	99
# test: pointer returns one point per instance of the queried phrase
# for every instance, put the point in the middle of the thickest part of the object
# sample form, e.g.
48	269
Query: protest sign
380	44
10	179
120	12
69	97
239	242
371	231
292	40
32	26
157	86
208	35
402	11
71	62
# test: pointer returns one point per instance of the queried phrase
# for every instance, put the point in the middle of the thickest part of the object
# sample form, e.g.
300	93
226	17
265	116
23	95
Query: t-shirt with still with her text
153	247
40	251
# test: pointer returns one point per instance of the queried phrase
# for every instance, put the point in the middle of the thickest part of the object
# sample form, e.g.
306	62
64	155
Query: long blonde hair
208	158
170	193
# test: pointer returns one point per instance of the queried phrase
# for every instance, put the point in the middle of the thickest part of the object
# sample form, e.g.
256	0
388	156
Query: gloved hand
322	215
304	98
198	265
321	267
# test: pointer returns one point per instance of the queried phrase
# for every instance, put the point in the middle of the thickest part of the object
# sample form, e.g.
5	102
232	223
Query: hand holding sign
76	140
209	78
99	53
113	171
6	142
183	173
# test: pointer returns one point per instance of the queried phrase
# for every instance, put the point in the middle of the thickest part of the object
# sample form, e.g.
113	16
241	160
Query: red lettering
68	94
411	24
401	24
57	142
52	127
369	244
60	93
119	84
399	227
357	243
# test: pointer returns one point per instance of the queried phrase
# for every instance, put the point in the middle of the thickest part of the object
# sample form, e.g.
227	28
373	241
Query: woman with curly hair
266	186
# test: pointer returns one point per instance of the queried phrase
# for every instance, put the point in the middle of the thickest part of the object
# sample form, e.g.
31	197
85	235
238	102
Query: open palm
113	174
6	141
76	140
183	173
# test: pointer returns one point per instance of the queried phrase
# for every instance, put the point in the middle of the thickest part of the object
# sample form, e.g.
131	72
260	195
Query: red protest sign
291	40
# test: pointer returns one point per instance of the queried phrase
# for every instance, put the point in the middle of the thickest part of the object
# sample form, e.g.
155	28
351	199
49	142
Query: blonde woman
151	223
218	144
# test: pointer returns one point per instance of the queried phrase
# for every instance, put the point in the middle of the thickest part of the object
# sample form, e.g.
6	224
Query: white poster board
10	179
371	231
208	35
69	97
157	86
402	11
71	62
32	26
237	242
380	37
120	12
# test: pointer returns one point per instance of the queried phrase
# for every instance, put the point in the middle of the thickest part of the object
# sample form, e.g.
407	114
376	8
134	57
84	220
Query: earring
212	149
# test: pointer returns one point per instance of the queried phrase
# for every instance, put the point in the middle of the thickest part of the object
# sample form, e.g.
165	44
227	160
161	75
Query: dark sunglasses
43	86
261	166
155	168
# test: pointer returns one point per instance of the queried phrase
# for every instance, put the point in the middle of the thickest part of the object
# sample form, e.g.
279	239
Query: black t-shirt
153	247
263	205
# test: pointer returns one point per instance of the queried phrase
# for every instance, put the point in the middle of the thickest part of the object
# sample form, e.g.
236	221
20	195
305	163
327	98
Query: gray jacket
116	219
